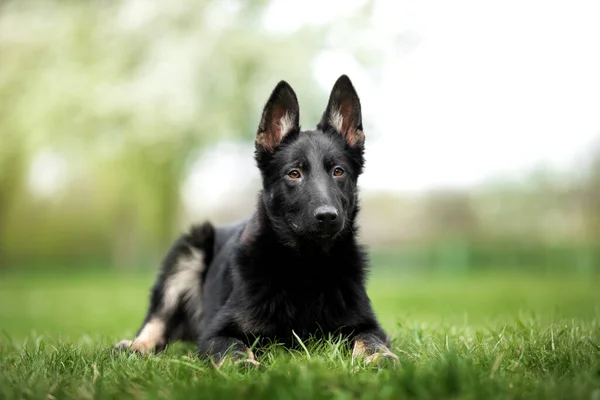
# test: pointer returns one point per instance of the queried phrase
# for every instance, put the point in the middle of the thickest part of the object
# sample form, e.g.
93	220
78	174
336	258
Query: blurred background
122	122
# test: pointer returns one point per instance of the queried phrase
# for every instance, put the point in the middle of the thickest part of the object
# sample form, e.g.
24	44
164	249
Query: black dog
292	270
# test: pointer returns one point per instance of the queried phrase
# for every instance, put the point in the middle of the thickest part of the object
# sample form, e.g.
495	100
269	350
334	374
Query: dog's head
310	177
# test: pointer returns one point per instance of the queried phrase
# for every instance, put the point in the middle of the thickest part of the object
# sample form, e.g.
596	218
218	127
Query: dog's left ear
281	115
343	113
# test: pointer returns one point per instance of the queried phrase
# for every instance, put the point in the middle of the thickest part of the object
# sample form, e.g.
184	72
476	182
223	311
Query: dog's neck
264	258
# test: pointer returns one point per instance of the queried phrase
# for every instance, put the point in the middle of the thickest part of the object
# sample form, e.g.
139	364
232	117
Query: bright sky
479	89
474	89
486	88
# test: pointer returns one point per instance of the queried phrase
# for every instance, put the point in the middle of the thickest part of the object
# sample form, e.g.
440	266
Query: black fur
293	268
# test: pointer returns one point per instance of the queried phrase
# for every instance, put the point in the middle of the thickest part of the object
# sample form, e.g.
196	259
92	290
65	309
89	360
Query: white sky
479	89
482	89
490	87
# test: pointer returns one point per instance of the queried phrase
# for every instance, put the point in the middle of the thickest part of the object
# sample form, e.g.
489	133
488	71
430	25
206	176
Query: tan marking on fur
375	357
262	138
185	283
336	120
357	137
151	335
269	139
124	344
371	355
239	359
360	349
286	123
248	361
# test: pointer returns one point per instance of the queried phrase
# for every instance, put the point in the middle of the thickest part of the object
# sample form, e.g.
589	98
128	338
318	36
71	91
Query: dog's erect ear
343	113
280	116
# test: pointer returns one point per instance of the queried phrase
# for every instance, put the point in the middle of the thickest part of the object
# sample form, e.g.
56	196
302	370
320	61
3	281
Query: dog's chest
278	312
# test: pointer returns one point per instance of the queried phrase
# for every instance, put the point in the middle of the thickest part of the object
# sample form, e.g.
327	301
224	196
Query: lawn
472	337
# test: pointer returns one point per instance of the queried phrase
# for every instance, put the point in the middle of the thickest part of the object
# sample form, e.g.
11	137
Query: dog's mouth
315	234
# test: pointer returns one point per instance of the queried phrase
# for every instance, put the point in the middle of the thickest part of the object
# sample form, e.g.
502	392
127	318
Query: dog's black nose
326	214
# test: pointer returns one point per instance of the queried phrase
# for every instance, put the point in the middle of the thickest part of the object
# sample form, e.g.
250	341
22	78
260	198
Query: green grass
477	337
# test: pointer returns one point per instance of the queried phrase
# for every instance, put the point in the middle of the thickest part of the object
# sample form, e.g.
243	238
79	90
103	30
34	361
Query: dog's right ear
281	115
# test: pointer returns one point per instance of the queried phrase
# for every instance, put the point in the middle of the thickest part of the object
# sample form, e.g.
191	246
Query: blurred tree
590	260
452	224
450	214
593	197
127	93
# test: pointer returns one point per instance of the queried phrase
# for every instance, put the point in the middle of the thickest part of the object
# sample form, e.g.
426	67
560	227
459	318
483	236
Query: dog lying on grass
293	269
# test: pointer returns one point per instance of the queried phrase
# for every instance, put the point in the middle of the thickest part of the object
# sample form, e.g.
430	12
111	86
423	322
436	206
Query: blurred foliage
545	221
122	97
127	94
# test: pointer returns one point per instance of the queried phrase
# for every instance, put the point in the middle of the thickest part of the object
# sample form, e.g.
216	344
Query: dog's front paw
249	364
379	360
382	359
241	360
122	346
131	346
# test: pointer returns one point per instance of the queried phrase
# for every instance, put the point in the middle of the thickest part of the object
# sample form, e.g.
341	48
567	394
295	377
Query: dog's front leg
221	349
369	346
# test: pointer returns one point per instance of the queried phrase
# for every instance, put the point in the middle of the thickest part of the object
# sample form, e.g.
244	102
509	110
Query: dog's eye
294	174
338	171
